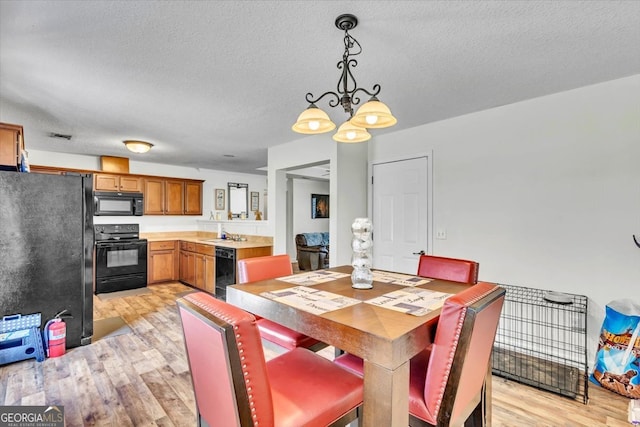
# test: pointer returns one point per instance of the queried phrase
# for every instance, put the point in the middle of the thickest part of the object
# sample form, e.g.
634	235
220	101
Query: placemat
399	278
313	277
309	299
415	301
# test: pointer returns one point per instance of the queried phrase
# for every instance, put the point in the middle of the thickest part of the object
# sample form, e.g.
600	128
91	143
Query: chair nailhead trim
239	344
452	354
445	378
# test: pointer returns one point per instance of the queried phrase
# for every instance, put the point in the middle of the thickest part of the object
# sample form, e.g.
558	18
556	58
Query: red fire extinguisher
55	336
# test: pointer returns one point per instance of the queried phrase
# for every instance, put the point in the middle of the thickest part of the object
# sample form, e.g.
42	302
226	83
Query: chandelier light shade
349	133
372	114
312	121
138	146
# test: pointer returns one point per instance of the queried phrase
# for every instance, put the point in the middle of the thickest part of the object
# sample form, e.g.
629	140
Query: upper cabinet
11	143
171	196
162	195
111	182
193	198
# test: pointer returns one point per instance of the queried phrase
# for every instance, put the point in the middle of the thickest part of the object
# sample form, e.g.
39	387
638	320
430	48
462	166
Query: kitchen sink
225	241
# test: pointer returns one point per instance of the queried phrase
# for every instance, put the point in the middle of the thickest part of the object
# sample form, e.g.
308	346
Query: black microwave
118	204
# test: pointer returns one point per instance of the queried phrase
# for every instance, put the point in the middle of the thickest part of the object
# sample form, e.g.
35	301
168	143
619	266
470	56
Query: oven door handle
120	245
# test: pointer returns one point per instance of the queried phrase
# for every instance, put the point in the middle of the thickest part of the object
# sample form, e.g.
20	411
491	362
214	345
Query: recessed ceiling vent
59	135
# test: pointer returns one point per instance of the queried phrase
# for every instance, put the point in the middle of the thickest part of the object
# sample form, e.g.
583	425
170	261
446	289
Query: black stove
121	258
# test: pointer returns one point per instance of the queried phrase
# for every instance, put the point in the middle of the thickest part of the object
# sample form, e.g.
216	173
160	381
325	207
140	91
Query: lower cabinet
253	252
198	265
187	267
162	262
205	272
192	263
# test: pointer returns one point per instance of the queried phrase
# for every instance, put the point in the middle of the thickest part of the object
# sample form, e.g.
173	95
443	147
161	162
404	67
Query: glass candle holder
361	243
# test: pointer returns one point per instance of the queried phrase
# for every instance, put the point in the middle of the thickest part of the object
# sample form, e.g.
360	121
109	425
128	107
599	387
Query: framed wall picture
219	199
255	201
319	206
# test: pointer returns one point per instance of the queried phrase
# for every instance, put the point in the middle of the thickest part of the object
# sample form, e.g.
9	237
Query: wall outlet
441	234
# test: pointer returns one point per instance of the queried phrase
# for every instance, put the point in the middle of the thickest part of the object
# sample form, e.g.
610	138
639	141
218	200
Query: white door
400	214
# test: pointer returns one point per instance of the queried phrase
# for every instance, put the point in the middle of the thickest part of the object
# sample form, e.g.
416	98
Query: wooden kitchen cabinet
163	196
174	197
111	182
205	272
242	253
193	198
154	196
170	196
188	267
162	262
11	144
197	265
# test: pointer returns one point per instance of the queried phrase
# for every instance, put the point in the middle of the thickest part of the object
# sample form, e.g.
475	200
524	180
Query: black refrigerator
46	249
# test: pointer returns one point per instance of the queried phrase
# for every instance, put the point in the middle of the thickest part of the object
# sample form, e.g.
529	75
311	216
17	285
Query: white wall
348	166
301	201
150	223
302	221
543	193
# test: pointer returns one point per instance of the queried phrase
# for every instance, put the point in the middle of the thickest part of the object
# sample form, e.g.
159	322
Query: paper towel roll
219	230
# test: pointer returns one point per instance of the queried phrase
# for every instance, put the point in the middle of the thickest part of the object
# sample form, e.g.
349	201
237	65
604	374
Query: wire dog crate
542	341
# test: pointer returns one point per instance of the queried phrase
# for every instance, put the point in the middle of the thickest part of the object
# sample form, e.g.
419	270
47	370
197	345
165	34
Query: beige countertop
208	238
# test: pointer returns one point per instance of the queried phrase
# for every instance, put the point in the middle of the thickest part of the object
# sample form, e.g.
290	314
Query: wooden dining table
385	339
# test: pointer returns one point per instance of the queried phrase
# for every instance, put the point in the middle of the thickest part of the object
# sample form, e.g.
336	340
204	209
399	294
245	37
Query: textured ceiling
204	79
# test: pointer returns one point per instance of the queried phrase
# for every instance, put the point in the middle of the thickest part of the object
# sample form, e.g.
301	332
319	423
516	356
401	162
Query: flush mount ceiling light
138	146
372	114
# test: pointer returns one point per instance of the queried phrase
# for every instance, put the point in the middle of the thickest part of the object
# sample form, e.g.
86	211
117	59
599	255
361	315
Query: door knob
419	253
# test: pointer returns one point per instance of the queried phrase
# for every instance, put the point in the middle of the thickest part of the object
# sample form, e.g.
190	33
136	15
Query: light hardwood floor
141	378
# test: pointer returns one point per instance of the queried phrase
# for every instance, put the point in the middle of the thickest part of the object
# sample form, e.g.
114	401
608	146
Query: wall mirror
238	199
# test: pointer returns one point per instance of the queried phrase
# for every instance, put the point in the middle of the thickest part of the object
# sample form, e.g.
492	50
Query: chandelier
372	114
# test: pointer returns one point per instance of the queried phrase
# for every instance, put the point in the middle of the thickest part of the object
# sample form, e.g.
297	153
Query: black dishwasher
225	270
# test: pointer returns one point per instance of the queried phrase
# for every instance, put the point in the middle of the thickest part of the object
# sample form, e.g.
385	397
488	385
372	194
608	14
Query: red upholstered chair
235	386
456	270
270	267
447	379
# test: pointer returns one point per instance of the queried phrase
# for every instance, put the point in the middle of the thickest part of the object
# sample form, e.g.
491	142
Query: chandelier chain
347	80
